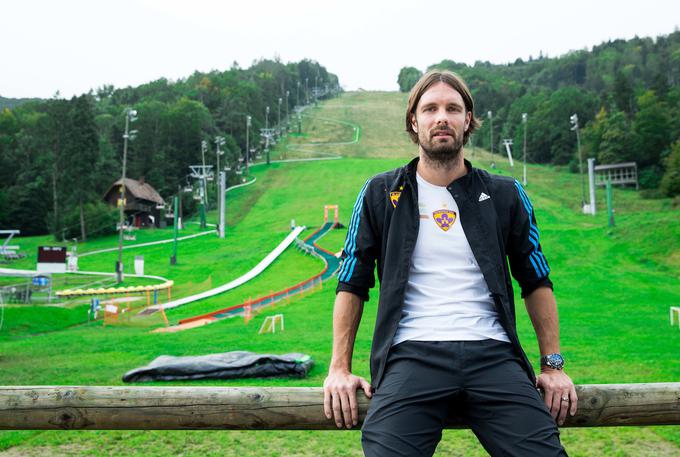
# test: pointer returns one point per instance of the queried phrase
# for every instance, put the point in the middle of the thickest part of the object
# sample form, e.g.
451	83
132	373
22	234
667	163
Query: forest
625	93
59	156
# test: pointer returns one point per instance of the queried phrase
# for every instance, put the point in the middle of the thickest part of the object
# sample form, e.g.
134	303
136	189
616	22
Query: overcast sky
72	46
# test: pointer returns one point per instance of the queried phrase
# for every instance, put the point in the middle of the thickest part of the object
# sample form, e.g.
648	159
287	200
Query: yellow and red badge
394	196
444	218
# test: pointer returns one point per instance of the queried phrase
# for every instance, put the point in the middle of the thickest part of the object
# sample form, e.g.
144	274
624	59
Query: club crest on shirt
394	197
444	218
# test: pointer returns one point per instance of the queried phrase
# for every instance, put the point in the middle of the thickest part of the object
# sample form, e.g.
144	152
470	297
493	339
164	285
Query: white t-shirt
446	298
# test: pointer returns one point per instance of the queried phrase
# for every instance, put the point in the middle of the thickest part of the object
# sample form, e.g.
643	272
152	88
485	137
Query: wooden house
143	205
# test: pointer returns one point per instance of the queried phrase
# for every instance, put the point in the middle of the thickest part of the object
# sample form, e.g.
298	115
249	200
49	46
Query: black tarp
226	365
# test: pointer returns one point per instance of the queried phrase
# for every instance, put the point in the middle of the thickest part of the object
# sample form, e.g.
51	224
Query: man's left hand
559	393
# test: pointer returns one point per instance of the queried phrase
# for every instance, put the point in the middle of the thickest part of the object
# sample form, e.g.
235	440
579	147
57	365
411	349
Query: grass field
613	287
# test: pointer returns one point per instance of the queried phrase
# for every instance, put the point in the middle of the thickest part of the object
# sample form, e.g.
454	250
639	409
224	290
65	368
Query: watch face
555	361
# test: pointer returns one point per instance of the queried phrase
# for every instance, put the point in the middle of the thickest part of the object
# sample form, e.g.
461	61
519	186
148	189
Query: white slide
257	269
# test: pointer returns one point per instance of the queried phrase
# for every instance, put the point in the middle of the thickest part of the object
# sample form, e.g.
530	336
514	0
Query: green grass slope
613	287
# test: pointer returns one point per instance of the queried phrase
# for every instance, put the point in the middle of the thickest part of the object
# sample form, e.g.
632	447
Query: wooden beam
281	408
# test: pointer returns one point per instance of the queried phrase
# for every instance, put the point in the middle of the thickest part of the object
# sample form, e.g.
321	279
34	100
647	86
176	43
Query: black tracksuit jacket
497	219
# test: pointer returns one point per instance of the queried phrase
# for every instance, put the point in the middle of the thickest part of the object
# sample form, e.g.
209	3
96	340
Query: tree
408	77
550	137
670	183
9	128
623	93
80	155
57	114
616	141
651	126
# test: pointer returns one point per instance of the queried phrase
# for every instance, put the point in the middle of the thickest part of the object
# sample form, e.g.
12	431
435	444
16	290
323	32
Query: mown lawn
613	286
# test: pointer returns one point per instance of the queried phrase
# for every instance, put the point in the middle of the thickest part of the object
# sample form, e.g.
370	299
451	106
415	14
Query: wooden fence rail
283	408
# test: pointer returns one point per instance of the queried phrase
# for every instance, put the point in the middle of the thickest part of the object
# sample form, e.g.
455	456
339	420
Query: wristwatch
554	361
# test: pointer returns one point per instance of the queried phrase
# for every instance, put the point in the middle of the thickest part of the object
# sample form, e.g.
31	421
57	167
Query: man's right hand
340	397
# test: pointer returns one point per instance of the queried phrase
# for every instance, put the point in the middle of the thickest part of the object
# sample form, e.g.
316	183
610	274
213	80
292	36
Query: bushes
100	219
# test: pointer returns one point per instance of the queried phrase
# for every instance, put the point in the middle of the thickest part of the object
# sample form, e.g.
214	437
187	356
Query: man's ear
414	123
468	119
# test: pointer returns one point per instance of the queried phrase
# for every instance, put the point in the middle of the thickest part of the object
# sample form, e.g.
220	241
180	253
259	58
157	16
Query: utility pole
173	257
287	118
278	126
130	116
493	160
219	141
266	126
306	91
297	100
574	126
204	149
524	171
298	111
316	89
223	183
248	120
591	182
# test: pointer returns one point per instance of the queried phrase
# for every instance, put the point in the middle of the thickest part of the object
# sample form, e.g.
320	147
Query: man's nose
441	117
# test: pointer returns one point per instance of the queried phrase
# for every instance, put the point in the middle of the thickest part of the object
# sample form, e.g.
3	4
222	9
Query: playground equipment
326	208
112	310
167	285
120	311
259	268
269	324
7	251
245	309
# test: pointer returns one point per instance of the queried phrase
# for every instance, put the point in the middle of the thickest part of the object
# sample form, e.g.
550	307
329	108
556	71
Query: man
445	342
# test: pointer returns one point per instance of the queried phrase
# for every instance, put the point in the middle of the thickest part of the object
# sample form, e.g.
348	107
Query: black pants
481	382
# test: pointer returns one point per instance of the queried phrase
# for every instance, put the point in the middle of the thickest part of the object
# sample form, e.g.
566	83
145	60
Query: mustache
439	130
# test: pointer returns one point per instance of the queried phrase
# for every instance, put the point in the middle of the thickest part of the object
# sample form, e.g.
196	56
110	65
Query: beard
441	153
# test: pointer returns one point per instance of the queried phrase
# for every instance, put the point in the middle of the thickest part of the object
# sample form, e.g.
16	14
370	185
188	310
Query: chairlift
129	233
188	189
169	213
240	160
238	172
160	206
197	197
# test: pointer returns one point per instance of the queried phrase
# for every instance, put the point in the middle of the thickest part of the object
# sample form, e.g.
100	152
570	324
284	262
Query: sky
72	46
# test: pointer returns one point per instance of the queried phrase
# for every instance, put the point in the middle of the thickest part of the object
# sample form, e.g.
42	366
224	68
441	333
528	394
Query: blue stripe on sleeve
351	241
536	257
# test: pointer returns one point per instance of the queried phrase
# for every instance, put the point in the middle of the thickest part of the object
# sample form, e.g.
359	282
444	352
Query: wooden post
128	308
165	318
274	408
248	311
